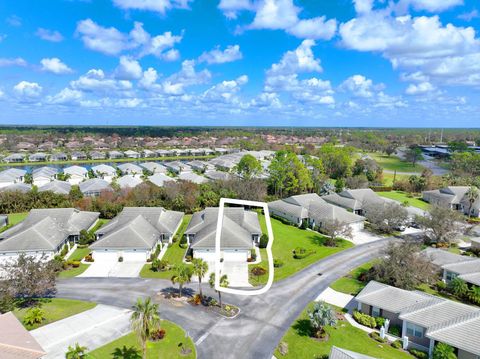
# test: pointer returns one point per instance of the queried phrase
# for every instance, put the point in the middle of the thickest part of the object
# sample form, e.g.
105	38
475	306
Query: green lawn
13	219
79	254
168	347
174	254
73	272
286	239
56	309
301	345
402	197
388	178
350	283
394	163
100	223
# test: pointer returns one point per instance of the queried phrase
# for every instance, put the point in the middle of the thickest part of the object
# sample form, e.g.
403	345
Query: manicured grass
168	347
73	272
403	197
286	239
394	163
56	309
79	254
343	335
350	284
388	178
100	223
13	219
174	254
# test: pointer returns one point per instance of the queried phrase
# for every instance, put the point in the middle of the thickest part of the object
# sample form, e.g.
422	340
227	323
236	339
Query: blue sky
397	63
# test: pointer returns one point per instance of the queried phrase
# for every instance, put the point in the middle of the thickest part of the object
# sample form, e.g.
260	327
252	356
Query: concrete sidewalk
338	299
92	329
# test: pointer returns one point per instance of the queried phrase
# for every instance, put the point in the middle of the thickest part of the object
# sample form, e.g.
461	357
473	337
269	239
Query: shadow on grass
303	328
126	353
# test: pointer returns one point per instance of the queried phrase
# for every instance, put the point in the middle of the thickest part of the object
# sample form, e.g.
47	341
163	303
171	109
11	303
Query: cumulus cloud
469	16
171	55
225	92
55	66
420	89
359	86
160	6
96	81
18	61
14	20
111	41
128	69
430	5
189	76
49	35
27	91
231	8
66	96
316	28
218	56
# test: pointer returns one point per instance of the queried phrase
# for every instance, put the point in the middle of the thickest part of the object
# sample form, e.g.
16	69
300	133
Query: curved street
263	320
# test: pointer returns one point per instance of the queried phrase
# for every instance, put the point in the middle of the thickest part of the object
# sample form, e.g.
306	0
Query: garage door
357	227
235	256
207	256
105	256
131	256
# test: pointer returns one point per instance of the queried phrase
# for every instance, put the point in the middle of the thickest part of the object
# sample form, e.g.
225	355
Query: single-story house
177	166
223	163
164	153
43	175
217	175
94	187
78	155
45	232
200	166
148	153
14	158
105	172
159	179
339	353
58	187
154	167
38	157
60	156
355	200
313	210
453	197
76	174
115	154
96	155
129	181
192	177
11	176
21	187
240	232
16	342
130	169
424	319
132	154
475	243
135	234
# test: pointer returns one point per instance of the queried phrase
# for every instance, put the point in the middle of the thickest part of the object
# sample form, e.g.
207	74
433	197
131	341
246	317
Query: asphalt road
263	320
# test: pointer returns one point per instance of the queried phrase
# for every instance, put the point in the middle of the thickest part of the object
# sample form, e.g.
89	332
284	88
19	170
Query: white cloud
95	81
420	89
188	76
14	20
128	69
129	102
363	6
28	91
217	56
359	86
430	5
160	6
149	79
231	8
316	28
469	16
171	55
49	35
109	41
4	62
55	66
275	14
66	97
225	92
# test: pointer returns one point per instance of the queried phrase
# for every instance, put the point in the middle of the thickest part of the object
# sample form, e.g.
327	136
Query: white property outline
223	201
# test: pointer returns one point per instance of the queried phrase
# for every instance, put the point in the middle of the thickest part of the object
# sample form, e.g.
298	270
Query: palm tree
443	351
76	352
200	269
458	287
145	320
223	283
34	316
472	195
474	295
321	315
183	274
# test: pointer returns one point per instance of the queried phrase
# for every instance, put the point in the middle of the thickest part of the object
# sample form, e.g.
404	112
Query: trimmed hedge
365	319
300	253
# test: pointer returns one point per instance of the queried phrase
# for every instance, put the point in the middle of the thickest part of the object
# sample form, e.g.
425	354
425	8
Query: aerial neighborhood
387	258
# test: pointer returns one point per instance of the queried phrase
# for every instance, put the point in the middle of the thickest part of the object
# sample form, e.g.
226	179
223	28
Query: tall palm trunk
220	298
144	349
180	287
200	286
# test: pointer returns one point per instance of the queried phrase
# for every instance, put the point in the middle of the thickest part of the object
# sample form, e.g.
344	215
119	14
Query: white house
58	187
130	169
94	187
159	179
11	176
105	172
132	154
43	175
76	174
129	181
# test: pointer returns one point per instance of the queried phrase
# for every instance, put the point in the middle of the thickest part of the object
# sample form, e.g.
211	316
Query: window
451	276
414	330
375	312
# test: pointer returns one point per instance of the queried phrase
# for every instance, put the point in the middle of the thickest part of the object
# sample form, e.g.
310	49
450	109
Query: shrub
458	287
89	258
75	264
418	353
258	271
441	286
120	259
197	299
188	258
397	344
33	316
158	335
395	330
444	351
277	263
376	336
300	253
380	321
263	241
64	251
365	319
304	224
160	265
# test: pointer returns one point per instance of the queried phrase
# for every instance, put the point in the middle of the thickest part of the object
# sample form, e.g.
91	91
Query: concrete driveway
92	328
113	269
237	273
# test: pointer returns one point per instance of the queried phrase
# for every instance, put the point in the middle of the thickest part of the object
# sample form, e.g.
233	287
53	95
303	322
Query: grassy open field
174	254
343	335
286	239
350	284
56	309
394	163
403	197
168	347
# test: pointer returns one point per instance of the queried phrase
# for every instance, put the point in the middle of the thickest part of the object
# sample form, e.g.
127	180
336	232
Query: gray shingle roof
94	185
129	181
48	172
238	227
59	187
104	169
464	267
130	168
339	353
45	229
441	257
75	170
354	198
159	179
21	187
154	167
12	174
138	227
218	175
192	177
